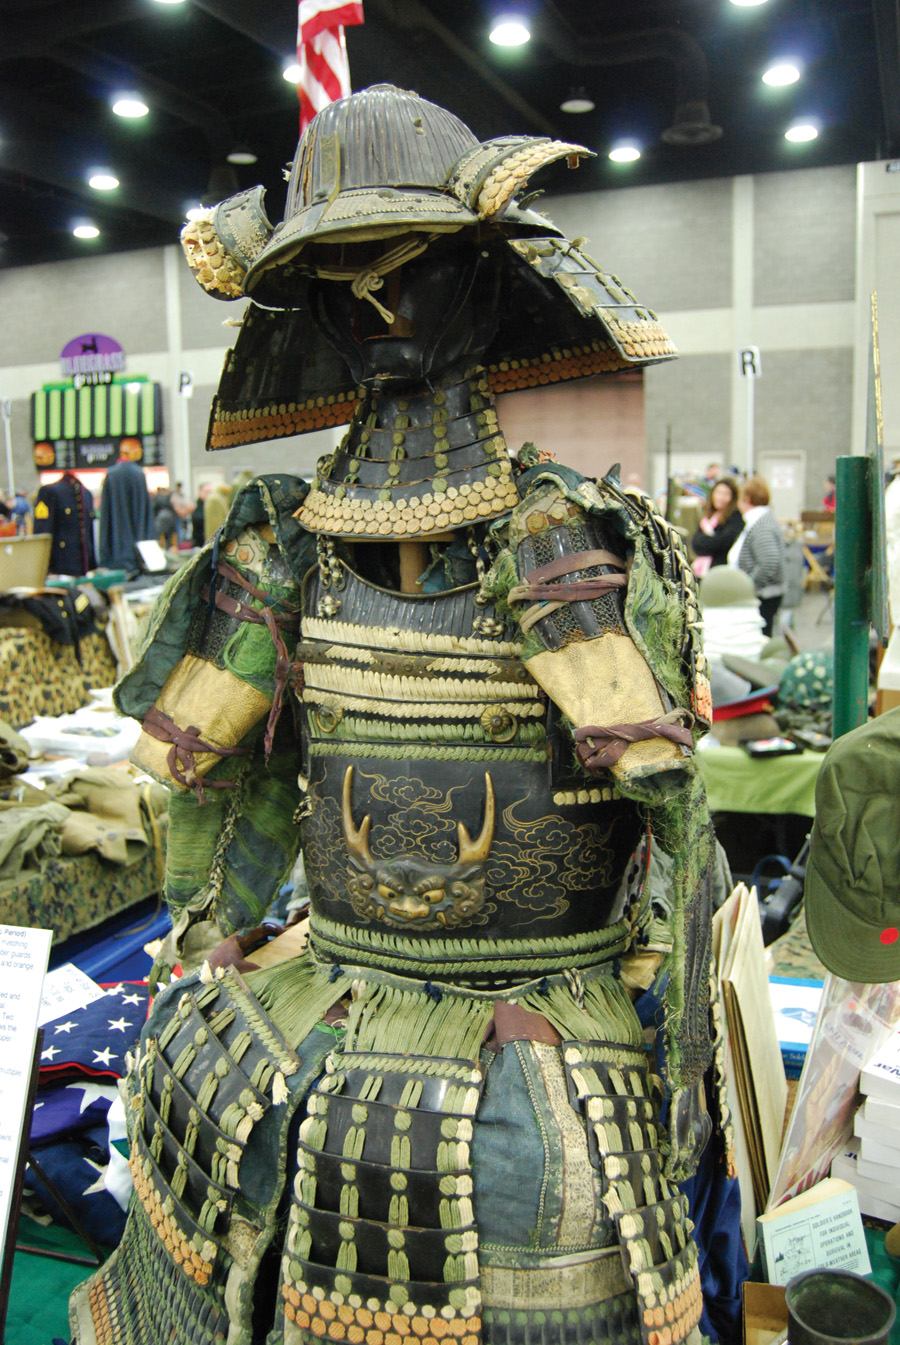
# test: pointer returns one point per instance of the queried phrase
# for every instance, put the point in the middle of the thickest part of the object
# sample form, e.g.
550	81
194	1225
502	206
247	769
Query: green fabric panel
39	405
264	843
250	654
194	830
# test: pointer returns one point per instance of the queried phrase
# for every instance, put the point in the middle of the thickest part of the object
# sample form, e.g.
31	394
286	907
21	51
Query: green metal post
852	559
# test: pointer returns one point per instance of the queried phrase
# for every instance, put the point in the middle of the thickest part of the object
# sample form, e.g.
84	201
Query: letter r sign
751	364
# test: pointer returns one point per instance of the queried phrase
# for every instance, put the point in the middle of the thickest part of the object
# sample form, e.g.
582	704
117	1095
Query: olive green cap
853	873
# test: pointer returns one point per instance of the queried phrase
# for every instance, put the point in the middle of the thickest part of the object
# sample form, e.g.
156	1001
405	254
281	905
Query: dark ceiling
210	71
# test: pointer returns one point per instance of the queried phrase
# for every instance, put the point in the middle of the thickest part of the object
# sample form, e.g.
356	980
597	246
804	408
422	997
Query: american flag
322	53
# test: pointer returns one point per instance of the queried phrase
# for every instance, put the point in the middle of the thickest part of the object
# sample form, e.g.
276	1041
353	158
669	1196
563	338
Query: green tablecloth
737	783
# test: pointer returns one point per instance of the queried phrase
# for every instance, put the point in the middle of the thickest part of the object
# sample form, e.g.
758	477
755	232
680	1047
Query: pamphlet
821	1228
23	961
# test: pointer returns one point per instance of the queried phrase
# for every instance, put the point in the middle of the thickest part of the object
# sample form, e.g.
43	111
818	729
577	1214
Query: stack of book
871	1161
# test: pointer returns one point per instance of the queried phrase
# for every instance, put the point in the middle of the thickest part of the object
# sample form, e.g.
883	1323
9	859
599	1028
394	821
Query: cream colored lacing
364	282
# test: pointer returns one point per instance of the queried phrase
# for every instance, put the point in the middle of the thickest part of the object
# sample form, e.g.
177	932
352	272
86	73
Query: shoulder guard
605	601
214	661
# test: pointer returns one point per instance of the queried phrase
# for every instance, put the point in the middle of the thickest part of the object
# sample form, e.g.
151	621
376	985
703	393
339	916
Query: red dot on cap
890	935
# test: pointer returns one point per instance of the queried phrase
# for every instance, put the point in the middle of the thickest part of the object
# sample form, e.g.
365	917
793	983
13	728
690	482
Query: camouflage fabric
38	676
792	954
72	895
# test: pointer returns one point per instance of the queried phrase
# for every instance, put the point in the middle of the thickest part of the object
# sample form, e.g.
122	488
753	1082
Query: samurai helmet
377	164
390	170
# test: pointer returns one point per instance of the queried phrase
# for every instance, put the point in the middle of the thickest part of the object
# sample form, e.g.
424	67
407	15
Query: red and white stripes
322	53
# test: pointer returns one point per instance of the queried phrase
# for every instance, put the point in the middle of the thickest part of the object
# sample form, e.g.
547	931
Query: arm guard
573	567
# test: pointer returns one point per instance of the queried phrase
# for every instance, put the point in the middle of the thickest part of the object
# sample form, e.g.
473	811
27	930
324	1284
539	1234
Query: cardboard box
764	1313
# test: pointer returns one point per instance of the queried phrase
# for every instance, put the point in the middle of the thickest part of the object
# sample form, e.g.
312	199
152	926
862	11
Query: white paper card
23	961
66	989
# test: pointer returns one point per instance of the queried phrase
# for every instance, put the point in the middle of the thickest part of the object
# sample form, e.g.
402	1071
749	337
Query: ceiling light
747	4
103	181
291	73
803	130
509	31
784	73
625	154
170	2
86	231
579	102
241	155
196	212
129	105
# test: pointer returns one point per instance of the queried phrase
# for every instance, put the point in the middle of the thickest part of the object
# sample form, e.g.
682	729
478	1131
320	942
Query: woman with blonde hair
759	550
720	525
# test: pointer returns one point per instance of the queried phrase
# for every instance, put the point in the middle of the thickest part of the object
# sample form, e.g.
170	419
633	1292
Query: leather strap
601	747
580	590
288	621
511	1022
575	560
186	743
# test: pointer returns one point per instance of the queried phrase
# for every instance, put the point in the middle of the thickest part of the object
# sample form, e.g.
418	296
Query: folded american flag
94	1040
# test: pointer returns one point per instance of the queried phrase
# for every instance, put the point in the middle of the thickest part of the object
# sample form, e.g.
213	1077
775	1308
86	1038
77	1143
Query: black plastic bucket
836	1307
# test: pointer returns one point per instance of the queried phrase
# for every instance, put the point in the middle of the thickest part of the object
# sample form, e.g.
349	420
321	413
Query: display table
738	783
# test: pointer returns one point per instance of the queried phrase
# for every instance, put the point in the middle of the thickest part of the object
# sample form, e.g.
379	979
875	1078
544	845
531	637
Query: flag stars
131	999
104	1057
65	1027
50	1052
119	1024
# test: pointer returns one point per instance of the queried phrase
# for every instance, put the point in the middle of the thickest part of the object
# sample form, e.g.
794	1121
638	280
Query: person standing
126	515
720	525
21	510
759	550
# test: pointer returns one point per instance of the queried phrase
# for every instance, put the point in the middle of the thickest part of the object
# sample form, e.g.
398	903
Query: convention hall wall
769	261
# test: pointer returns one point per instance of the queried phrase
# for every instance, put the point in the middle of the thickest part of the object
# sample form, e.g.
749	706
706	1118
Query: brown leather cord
185	744
602	747
267	617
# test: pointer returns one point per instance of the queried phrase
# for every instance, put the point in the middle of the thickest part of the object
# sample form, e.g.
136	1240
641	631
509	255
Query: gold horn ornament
488	176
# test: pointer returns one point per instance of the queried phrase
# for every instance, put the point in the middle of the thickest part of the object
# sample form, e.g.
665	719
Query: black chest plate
444	798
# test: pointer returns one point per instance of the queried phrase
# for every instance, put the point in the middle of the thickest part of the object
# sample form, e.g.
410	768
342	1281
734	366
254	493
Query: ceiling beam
24	36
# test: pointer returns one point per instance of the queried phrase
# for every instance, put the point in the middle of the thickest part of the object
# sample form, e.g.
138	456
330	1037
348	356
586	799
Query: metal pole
6	413
751	388
852	559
